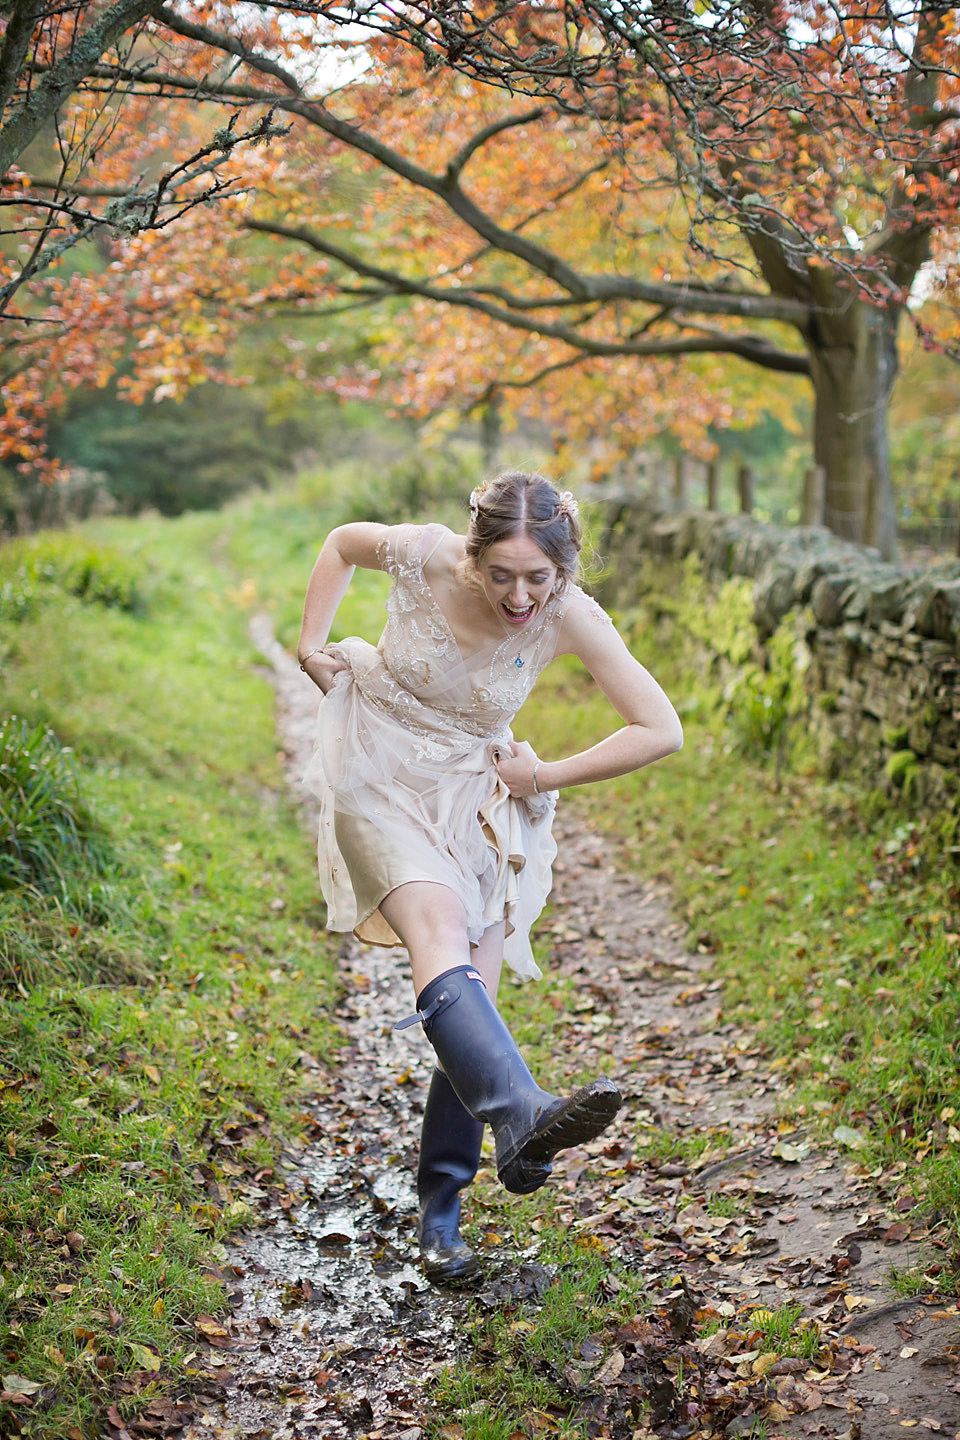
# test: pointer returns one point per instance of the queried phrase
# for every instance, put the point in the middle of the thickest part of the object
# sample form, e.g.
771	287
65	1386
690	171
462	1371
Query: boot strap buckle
449	992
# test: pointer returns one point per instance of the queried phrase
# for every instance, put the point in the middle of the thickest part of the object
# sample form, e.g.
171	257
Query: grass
46	829
783	1332
160	996
531	1364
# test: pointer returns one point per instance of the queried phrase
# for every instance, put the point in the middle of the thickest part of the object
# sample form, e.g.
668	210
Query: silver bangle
536	787
317	650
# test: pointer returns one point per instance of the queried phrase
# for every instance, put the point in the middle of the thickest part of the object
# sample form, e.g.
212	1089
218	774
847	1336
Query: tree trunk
491	429
853	362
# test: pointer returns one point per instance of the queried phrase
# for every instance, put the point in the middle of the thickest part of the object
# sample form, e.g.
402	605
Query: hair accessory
568	504
474	502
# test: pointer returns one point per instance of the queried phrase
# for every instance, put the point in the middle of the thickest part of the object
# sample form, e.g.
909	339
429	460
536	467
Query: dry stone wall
882	642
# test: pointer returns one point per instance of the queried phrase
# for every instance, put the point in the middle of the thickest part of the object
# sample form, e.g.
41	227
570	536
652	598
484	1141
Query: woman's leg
433	929
432	925
450	1144
476	1050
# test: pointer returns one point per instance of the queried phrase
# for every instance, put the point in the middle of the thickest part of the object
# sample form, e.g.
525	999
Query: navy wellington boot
449	1155
488	1073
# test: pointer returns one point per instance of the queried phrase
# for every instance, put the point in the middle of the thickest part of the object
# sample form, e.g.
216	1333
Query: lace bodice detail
478	693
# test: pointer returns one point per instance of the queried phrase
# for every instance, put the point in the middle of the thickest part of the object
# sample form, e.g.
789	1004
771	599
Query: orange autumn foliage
596	213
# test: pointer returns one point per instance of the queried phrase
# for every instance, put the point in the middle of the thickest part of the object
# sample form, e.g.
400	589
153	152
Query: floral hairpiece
566	505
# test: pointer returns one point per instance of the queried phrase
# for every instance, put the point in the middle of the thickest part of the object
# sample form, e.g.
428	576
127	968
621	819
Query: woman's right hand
323	669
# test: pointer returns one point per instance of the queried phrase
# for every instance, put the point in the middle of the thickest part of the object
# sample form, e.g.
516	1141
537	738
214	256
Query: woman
435	825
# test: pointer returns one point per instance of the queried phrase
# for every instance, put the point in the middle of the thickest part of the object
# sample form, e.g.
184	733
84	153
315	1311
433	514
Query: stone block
773	597
933	610
826	598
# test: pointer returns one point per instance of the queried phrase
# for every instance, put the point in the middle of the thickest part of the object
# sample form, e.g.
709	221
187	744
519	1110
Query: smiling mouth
517	617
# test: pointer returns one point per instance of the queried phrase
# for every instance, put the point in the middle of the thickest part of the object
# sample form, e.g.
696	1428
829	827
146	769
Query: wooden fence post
745	489
814	488
680	482
713	484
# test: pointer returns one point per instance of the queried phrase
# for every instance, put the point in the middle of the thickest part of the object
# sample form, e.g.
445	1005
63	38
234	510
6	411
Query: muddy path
334	1331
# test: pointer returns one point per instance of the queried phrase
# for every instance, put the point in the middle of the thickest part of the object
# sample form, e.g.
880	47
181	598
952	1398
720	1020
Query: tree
53	62
756	180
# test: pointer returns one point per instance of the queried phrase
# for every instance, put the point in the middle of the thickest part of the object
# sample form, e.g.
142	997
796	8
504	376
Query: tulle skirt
407	793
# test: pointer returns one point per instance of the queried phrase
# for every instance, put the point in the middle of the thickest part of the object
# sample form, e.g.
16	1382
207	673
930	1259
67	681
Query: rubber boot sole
582	1117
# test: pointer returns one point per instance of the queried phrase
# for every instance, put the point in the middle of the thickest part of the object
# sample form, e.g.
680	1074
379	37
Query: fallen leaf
792	1154
144	1357
18	1386
846	1135
896	1234
610	1368
764	1363
798	1396
776	1412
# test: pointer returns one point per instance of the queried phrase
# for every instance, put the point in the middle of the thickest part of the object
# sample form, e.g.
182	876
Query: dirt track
335	1330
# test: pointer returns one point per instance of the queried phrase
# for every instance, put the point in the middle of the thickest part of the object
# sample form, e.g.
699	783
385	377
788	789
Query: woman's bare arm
346	547
651	727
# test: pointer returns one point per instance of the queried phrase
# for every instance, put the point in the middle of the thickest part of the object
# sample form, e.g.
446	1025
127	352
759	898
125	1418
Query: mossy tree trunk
853	365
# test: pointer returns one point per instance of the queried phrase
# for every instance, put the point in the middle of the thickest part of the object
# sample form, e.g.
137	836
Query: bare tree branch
754	348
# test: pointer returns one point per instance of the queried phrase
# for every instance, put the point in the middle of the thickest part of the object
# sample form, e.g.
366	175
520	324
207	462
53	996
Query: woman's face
517	579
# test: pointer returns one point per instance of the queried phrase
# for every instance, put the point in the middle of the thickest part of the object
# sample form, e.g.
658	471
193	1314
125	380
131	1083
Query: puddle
334	1326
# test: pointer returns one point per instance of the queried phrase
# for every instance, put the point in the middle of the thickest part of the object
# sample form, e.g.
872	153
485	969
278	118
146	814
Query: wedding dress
404	767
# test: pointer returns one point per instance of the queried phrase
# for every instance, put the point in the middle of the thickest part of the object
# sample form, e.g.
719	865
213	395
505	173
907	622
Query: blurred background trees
631	228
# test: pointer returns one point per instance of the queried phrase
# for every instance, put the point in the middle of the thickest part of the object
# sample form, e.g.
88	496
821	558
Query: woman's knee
421	910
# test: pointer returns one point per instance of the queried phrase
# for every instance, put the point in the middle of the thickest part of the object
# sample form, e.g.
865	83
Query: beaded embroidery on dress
404	765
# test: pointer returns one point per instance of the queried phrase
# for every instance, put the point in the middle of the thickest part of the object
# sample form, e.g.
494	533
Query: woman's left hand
515	761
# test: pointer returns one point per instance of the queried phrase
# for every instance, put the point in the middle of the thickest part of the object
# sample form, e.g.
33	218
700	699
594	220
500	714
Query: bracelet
317	649
536	787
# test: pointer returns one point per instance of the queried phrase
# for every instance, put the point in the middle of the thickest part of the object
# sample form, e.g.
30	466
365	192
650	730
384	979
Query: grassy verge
165	980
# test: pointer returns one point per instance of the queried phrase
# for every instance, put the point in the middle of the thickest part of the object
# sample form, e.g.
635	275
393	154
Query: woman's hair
521	503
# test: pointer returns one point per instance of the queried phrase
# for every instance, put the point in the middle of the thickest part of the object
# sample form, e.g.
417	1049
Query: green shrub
427	481
196	453
32	570
46	827
900	768
764	699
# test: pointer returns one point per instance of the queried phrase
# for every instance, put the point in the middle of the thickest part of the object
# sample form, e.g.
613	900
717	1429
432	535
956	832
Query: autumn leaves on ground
168	994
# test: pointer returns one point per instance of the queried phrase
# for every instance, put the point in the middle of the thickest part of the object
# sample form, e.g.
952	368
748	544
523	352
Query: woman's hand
516	762
323	669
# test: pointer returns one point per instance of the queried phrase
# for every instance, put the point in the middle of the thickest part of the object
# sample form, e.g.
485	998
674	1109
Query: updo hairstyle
521	503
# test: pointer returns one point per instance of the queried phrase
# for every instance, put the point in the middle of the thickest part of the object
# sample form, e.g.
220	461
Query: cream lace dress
404	765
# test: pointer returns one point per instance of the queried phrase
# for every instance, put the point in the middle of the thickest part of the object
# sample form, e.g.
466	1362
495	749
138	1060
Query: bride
435	824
